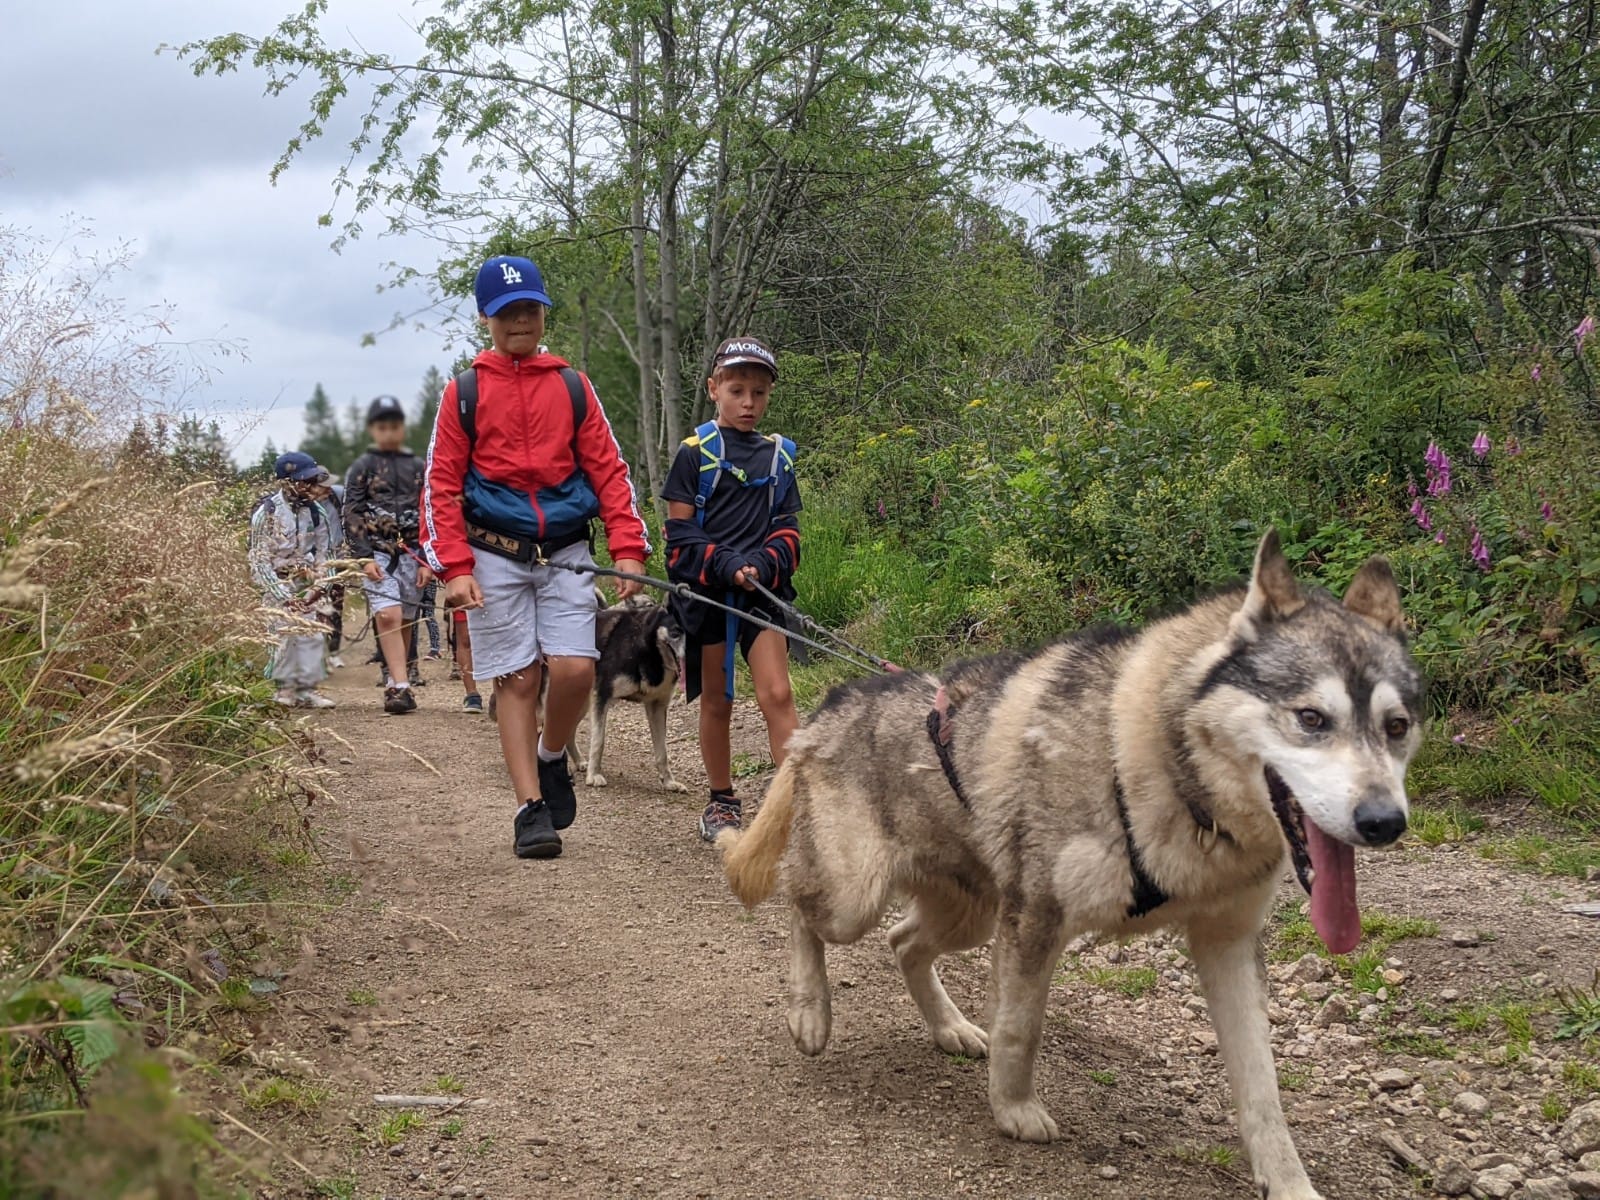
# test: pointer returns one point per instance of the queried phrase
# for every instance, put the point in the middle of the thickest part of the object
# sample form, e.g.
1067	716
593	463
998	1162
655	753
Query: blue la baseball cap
301	468
505	278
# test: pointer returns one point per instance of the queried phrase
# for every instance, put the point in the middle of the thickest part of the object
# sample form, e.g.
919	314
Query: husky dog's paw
809	1025
596	779
1027	1121
672	785
962	1037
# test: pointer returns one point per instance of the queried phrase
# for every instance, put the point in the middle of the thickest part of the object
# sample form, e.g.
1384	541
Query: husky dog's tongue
1325	866
1333	890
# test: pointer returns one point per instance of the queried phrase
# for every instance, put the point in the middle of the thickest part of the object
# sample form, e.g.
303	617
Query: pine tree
355	432
421	430
323	439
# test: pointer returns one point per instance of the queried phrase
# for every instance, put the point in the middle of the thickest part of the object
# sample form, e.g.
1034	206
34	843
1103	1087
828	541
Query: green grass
451	1129
1132	982
1449	824
294	858
1583	1078
361	997
1295	937
235	995
1579	1009
449	1085
339	1189
396	1127
1554	1108
1221	1157
1292	1079
747	766
285	1095
1104	1078
1422	1045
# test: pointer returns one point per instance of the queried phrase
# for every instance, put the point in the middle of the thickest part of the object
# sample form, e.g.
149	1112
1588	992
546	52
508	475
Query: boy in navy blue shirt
732	502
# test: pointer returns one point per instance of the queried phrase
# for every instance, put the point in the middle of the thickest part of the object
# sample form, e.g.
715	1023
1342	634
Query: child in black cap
732	503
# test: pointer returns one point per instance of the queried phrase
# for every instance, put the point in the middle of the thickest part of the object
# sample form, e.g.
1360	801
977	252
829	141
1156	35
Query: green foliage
1580	1017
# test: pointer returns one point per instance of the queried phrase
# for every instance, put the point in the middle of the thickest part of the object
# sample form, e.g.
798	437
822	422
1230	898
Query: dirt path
617	1018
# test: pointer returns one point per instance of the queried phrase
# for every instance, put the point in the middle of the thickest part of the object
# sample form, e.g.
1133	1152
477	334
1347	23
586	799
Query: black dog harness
1148	895
939	718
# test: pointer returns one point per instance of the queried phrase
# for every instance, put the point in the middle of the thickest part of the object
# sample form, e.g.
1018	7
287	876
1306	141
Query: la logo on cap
512	275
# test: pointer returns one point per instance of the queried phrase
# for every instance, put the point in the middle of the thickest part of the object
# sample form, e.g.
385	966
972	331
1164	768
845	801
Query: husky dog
1114	782
641	649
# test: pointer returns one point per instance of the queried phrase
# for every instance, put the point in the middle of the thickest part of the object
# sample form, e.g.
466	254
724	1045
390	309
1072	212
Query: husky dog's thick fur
641	649
1113	782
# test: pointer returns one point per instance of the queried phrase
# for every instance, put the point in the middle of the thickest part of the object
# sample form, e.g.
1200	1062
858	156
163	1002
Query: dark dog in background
641	649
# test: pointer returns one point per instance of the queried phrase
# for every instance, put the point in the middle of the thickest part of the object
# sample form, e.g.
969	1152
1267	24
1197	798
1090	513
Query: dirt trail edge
614	1020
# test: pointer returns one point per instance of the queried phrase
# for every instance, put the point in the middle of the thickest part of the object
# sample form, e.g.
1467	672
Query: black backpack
467	405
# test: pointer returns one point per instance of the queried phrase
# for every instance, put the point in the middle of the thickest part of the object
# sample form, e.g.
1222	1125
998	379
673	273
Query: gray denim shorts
531	612
397	588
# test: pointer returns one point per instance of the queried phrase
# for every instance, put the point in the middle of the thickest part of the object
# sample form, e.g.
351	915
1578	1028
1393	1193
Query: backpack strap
579	396
709	440
783	452
467	404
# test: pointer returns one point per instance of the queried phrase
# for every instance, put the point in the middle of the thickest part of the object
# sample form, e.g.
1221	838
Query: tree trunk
667	238
644	353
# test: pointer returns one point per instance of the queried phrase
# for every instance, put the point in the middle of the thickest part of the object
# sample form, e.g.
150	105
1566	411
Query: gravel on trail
616	1019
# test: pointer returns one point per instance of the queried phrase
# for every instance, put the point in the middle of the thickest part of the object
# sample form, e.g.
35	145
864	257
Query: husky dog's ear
1372	594
1274	591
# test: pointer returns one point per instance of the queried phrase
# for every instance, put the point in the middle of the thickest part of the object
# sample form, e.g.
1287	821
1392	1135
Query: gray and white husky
1115	781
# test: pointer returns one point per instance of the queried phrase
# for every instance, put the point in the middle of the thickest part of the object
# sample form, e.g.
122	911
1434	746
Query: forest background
1330	267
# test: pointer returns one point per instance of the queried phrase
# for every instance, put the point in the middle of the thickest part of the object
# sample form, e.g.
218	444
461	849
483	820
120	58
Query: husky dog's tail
750	856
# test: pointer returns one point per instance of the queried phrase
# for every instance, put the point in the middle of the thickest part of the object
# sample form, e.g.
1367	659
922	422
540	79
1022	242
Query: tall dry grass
142	765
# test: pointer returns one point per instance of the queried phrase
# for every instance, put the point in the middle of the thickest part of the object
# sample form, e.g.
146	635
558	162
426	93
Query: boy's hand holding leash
463	592
373	571
747	578
629	587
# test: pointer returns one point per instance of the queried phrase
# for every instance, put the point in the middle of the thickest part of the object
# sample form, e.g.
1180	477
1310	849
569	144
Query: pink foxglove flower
1478	550
1546	512
1420	515
1513	447
1536	373
1440	537
1480	446
1584	329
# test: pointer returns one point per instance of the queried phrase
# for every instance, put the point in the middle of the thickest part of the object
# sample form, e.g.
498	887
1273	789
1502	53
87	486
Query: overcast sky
98	129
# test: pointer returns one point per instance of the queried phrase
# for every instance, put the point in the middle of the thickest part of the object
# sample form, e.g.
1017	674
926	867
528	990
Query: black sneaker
555	784
473	703
397	701
722	813
535	835
414	677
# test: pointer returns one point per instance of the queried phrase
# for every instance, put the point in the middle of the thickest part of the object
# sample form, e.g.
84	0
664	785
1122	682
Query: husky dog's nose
1379	820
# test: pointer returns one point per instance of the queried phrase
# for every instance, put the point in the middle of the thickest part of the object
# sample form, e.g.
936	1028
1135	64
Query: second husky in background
641	649
1115	782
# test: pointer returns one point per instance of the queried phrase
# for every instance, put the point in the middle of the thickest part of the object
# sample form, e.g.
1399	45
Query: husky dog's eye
1397	727
1311	719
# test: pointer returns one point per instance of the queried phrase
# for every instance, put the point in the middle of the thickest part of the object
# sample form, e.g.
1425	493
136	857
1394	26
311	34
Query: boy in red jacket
515	475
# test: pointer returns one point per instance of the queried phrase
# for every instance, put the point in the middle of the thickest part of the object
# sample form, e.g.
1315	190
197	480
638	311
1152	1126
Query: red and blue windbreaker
522	477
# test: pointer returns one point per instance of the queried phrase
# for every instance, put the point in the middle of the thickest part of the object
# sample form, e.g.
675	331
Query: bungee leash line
866	662
883	665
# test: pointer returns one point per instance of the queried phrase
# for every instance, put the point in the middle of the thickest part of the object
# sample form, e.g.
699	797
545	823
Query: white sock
549	755
526	805
399	683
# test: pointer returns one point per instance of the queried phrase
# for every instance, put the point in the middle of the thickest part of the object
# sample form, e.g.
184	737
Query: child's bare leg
392	641
769	669
517	714
571	681
716	711
464	659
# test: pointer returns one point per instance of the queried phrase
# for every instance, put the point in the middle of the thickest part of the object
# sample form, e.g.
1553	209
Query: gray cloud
178	167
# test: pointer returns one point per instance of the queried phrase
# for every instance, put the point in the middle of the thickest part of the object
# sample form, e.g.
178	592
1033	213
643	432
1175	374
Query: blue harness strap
708	439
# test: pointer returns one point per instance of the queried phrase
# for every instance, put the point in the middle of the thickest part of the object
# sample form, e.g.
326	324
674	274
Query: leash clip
1206	836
